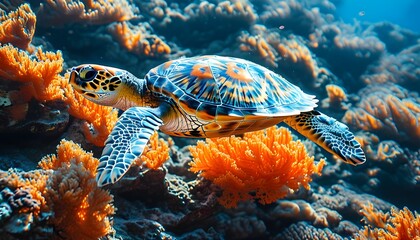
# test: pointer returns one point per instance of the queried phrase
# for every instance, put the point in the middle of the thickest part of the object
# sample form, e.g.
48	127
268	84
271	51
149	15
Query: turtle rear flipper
330	134
126	142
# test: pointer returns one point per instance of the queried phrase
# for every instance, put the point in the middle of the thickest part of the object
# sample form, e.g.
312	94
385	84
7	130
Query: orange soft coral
81	209
227	10
336	97
91	12
389	111
263	165
257	43
65	188
155	153
35	183
138	40
39	77
18	27
398	225
277	50
39	74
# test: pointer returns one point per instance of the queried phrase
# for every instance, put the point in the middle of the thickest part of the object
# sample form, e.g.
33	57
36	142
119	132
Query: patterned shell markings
225	87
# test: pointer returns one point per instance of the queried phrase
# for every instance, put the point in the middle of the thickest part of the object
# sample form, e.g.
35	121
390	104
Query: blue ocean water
403	12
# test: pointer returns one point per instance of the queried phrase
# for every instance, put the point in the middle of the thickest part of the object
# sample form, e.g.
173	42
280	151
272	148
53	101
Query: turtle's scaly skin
207	96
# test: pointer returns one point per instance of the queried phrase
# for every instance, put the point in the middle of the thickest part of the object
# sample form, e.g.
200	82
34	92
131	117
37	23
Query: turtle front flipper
126	142
330	134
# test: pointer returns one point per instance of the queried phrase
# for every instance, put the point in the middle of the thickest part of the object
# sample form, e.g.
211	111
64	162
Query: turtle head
98	83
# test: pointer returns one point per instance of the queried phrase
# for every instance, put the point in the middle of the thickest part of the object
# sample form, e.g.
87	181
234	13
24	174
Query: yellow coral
18	27
398	225
263	165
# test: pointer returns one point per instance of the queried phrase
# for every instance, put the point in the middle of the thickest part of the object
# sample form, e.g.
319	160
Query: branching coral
264	165
198	24
293	15
18	27
290	54
40	79
89	11
74	193
33	183
345	51
65	187
401	224
402	68
155	153
388	111
336	97
38	73
394	37
138	39
225	9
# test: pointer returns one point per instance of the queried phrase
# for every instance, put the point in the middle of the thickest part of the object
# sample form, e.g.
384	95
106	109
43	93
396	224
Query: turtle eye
87	73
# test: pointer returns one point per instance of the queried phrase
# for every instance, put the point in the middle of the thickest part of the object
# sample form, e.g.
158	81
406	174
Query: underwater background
360	58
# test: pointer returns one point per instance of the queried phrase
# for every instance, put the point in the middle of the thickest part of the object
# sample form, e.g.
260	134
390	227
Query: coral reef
347	53
58	13
388	111
394	37
24	77
401	68
283	53
38	73
337	98
201	22
230	163
366	72
18	27
59	200
402	224
155	153
138	39
38	77
303	230
293	15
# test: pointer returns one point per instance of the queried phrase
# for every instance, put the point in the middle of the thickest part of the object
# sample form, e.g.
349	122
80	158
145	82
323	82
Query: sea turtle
205	96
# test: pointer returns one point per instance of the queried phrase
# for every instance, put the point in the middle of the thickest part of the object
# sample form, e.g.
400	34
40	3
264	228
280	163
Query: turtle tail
329	134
